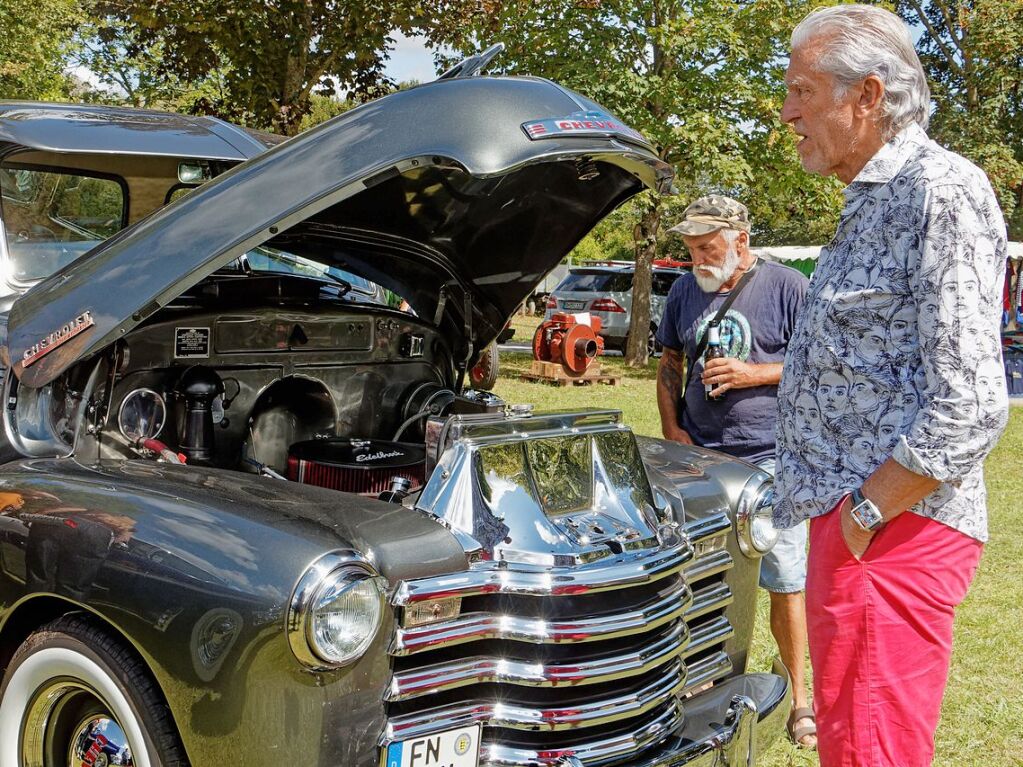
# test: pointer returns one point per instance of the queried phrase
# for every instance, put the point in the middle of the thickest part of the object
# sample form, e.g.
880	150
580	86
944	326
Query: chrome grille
583	661
705	657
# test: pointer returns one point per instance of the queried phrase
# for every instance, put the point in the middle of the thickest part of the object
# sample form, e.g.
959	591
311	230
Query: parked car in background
605	289
247	516
536	303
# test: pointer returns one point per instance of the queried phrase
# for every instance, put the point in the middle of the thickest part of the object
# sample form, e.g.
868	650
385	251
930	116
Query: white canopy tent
785	253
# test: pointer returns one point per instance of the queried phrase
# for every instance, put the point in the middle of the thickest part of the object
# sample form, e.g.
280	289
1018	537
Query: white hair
732	237
863	40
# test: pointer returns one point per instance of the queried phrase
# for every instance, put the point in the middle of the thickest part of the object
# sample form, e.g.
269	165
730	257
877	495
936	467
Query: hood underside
436	193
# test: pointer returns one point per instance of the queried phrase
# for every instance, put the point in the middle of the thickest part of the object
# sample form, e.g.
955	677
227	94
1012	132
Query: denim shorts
783	568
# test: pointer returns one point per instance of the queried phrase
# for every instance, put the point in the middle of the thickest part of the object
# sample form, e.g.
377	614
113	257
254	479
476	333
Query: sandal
796	734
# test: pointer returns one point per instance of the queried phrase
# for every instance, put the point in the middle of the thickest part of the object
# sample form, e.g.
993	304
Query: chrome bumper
730	724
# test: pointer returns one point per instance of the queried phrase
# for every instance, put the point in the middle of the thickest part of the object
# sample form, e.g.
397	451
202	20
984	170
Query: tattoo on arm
670	373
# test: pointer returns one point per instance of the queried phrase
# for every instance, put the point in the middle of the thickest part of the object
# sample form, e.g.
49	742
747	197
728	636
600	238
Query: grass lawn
982	722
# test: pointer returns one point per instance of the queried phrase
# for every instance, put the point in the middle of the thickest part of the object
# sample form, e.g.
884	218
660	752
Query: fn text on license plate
459	747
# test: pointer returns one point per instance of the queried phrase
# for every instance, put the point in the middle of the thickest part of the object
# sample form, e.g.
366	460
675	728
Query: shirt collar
889	159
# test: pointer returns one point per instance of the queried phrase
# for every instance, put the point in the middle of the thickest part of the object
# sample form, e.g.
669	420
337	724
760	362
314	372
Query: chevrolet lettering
256	513
594	123
56	338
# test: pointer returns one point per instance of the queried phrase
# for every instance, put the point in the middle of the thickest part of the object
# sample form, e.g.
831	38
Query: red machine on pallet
562	339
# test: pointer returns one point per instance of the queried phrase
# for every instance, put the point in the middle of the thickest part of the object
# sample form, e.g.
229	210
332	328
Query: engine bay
303	387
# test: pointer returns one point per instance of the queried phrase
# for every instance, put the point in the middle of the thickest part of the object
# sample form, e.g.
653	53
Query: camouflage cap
708	214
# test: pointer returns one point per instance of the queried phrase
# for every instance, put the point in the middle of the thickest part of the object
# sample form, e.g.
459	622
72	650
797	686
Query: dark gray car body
438	194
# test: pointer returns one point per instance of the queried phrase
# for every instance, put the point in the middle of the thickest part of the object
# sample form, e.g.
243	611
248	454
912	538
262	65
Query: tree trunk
645	235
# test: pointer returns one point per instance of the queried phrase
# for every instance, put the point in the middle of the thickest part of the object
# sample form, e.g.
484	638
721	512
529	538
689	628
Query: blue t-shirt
756	329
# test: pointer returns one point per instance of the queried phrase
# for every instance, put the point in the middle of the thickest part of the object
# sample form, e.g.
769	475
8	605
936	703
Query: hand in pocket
857	540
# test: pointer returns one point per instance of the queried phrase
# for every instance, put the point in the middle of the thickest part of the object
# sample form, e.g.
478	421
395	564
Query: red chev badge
579	124
68	331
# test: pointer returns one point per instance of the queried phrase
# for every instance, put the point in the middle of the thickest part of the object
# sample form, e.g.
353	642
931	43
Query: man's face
833	394
714	259
888	430
901	329
960	290
860	452
990	384
870	343
825	122
809	415
929	313
864	395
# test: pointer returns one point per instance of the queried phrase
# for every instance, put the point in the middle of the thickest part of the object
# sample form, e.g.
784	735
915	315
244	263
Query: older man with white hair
896	534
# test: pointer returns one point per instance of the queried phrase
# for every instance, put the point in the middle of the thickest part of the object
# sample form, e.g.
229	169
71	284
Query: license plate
573	304
452	748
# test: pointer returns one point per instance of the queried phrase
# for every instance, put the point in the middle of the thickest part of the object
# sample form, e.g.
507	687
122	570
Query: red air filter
363	466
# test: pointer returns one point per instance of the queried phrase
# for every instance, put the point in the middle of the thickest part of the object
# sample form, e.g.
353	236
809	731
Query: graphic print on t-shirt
735	333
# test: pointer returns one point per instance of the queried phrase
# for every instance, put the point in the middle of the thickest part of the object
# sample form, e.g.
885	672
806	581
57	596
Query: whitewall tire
74	694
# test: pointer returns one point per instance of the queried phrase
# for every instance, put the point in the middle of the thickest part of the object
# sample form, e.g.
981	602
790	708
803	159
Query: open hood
459	195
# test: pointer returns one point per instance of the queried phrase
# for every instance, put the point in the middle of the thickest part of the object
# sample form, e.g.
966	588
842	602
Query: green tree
787	205
701	79
323	108
130	69
973	55
272	56
610	240
35	41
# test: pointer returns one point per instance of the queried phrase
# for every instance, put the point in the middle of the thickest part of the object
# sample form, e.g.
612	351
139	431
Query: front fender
195	568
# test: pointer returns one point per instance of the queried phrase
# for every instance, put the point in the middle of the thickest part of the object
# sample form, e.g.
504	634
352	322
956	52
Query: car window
596	281
662	282
53	216
179	191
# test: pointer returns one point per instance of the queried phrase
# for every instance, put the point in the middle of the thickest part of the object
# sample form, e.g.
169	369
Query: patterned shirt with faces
897	352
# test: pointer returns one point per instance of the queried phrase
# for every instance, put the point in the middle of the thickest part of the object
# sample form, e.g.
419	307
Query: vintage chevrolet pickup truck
251	515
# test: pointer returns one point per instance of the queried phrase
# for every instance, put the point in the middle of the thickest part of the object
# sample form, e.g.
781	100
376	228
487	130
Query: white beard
711	278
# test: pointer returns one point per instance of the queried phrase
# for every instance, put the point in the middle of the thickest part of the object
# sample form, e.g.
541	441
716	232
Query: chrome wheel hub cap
99	742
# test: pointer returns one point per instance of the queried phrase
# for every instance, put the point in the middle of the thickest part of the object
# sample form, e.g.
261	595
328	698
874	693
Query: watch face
867	515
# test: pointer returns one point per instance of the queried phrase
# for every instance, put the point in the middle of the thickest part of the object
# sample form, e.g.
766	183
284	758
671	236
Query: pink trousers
880	632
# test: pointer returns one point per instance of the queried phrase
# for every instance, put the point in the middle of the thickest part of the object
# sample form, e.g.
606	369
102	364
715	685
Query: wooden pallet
554	374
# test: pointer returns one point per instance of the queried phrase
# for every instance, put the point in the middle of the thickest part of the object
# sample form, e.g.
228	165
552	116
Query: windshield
52	216
275	261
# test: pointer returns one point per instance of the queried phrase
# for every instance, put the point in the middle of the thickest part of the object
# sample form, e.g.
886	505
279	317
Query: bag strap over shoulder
701	345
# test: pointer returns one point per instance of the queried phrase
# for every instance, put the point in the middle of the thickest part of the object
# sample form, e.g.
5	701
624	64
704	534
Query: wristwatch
865	512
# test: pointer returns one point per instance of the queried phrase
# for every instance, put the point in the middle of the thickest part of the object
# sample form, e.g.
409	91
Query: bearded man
898	503
754	333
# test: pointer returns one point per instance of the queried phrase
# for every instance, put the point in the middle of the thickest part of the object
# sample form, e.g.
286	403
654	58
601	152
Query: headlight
335	612
753	523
